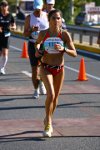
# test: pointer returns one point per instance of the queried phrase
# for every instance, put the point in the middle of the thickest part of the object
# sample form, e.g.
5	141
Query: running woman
57	42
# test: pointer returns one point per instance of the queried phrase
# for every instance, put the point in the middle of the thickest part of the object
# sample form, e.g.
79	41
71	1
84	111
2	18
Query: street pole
72	10
17	2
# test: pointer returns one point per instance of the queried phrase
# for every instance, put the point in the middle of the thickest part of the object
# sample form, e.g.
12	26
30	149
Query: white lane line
72	69
89	75
15	48
27	73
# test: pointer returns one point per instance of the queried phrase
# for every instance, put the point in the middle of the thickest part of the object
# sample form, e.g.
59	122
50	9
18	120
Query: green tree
65	7
12	5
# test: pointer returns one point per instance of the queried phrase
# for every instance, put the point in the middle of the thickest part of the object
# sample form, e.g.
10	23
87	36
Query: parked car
26	6
80	18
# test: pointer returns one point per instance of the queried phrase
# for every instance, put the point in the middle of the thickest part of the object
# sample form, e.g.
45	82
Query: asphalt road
76	120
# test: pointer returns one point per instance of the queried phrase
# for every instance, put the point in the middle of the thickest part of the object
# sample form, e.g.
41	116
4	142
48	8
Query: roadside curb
88	48
88	54
88	51
18	34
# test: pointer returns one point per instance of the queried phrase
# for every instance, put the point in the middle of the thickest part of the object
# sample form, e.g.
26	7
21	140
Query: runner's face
50	7
56	20
4	7
37	12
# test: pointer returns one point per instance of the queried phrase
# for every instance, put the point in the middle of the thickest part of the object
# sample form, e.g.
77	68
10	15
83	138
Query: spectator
20	14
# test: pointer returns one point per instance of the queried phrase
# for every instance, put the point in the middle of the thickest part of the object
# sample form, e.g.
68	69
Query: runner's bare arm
27	32
13	26
70	48
38	42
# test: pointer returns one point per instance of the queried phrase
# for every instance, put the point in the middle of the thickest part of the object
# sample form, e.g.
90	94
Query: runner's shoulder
43	32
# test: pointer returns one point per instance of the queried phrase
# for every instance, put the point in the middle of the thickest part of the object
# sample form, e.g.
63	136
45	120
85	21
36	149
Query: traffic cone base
24	51
82	72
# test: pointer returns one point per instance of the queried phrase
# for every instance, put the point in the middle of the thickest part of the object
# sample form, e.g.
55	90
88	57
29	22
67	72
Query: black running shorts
4	42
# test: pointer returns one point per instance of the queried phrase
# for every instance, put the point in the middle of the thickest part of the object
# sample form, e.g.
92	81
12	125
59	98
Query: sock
37	90
4	62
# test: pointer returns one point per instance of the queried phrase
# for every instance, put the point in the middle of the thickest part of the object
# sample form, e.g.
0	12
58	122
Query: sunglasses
4	5
56	18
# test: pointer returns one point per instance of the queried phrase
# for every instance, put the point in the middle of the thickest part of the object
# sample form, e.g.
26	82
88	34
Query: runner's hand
34	28
0	29
59	47
38	53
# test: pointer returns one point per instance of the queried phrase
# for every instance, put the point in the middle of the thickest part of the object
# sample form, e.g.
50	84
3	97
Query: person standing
7	23
34	23
57	42
20	13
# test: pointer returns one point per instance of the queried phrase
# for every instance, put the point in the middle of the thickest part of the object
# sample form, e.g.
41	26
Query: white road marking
72	69
16	48
89	75
27	73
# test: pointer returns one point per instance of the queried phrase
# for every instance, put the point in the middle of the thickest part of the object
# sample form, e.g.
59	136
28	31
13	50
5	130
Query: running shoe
50	125
2	71
48	130
36	94
42	88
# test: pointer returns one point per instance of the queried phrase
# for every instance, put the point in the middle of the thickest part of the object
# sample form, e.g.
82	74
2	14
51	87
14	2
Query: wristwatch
30	30
65	49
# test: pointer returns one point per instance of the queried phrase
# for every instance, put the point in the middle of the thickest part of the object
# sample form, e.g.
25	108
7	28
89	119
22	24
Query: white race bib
7	34
35	34
50	42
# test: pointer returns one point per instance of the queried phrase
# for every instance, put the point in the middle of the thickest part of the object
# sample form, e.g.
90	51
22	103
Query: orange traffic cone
24	51
82	72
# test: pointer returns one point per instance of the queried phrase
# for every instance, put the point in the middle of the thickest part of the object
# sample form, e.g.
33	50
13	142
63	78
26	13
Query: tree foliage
10	2
65	6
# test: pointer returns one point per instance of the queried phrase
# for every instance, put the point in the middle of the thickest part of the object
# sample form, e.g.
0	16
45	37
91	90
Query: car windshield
27	6
81	14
